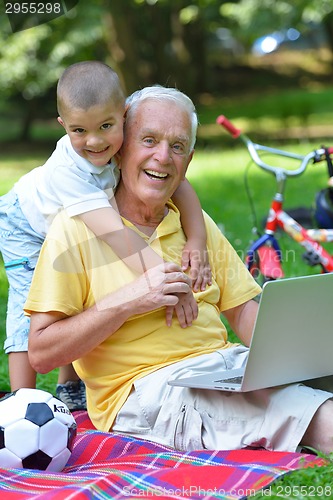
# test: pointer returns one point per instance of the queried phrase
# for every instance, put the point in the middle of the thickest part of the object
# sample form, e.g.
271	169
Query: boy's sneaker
73	394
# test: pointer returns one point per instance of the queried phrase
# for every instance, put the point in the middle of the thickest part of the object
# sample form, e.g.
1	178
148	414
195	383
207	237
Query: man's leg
319	434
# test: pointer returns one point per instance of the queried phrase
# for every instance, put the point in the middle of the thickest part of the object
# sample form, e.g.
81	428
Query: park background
266	64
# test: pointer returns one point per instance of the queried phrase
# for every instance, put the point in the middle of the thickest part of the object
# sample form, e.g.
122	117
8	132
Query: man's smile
153	174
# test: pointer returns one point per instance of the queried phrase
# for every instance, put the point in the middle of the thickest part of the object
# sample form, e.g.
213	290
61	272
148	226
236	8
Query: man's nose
163	152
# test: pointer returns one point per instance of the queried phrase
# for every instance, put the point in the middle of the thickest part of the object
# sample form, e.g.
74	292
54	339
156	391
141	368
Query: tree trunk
149	44
328	25
28	118
121	41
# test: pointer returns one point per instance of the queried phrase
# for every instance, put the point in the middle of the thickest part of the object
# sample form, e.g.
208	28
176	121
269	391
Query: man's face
156	150
96	134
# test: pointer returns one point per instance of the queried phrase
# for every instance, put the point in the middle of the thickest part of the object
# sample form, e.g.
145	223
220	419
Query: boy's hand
186	310
195	256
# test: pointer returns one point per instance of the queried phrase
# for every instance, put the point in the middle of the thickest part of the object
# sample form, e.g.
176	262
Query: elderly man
89	308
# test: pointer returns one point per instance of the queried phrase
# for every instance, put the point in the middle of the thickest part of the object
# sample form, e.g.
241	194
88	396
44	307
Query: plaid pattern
106	465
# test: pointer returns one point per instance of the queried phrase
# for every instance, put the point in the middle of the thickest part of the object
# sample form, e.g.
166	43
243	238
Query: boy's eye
106	126
149	141
78	130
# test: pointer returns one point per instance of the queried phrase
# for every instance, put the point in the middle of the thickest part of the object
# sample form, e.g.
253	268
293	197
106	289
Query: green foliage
252	19
32	60
147	41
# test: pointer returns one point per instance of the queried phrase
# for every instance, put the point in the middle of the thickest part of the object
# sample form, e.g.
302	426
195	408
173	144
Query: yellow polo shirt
75	269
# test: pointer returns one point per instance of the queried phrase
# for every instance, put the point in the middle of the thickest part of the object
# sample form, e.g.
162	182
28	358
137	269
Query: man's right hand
162	286
157	287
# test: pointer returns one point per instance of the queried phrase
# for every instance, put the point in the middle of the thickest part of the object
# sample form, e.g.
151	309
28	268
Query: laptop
292	339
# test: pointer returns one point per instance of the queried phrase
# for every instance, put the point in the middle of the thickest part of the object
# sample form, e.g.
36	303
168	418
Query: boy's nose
94	141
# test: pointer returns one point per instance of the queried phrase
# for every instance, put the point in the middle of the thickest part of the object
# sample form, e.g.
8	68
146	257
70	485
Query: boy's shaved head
87	84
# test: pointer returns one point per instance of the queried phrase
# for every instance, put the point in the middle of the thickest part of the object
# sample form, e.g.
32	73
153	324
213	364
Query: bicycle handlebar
224	122
253	148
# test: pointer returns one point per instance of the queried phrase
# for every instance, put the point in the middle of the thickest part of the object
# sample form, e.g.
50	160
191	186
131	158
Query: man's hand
158	287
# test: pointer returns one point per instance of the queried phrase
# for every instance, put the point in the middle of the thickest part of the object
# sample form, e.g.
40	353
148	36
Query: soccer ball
37	431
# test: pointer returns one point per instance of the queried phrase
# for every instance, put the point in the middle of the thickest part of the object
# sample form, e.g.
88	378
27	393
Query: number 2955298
33	8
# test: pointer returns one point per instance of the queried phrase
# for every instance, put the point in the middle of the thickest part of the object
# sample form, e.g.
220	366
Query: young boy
81	178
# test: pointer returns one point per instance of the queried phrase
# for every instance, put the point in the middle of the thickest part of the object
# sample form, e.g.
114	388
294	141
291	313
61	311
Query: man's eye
178	148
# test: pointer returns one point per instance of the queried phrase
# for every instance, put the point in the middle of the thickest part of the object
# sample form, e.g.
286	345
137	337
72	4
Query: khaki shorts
191	419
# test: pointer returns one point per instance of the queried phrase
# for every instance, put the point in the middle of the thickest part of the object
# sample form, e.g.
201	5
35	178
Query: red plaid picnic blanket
106	465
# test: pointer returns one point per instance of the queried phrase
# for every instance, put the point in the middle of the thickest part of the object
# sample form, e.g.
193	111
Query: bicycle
264	257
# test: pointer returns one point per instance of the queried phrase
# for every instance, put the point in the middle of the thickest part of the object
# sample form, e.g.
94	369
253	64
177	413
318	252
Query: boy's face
96	134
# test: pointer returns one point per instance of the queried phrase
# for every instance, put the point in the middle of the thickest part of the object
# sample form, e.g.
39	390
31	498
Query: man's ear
188	162
117	159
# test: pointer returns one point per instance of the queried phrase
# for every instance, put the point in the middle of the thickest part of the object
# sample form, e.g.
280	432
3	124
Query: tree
32	60
160	42
146	41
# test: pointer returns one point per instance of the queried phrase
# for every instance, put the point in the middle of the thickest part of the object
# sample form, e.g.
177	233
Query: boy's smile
96	134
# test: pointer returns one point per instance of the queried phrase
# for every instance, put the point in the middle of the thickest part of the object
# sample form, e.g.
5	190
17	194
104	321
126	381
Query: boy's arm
108	226
195	250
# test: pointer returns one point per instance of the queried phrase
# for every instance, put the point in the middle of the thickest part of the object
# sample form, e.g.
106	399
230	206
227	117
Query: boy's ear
61	122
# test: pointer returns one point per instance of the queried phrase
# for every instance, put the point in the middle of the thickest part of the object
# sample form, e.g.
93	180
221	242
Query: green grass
218	177
282	105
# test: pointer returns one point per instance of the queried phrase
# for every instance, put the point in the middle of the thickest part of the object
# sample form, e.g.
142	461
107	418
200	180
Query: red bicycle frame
266	247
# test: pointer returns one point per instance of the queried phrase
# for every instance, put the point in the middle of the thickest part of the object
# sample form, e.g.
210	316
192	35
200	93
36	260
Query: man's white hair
160	93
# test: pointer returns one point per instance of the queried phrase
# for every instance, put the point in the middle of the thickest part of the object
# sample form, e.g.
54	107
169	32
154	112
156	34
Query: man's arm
242	319
56	339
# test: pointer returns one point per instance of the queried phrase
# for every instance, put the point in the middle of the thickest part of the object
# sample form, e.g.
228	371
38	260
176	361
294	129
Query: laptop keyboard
232	380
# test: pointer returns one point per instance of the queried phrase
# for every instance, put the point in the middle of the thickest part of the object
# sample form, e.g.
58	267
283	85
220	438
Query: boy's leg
20	246
67	373
21	374
70	388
